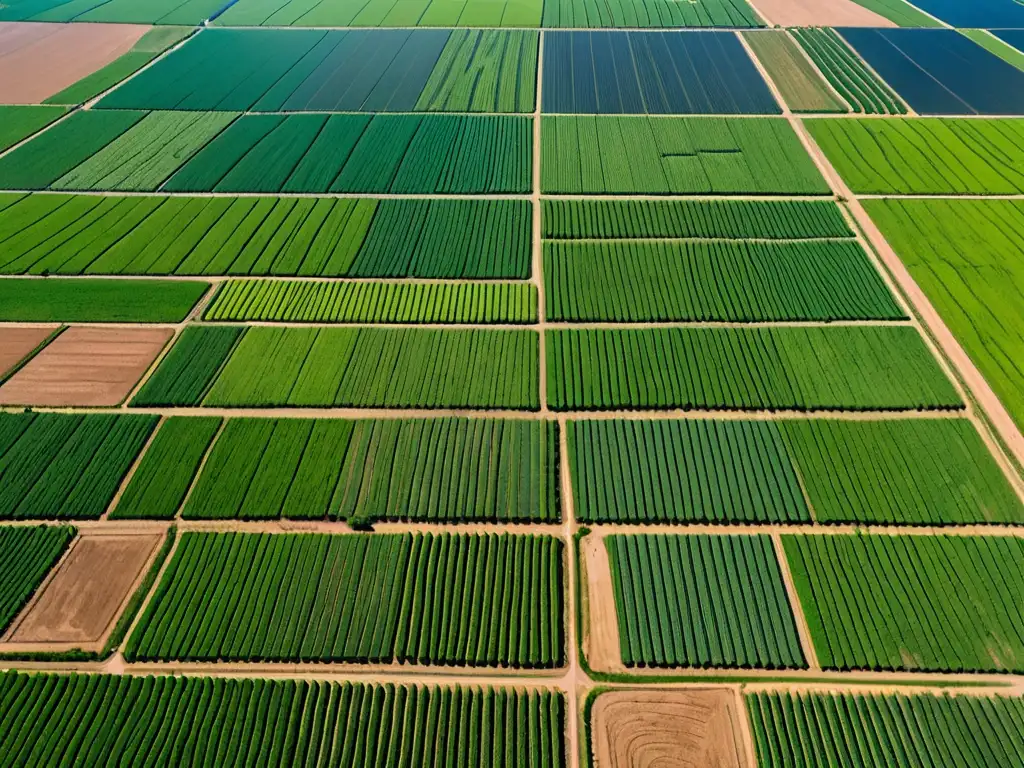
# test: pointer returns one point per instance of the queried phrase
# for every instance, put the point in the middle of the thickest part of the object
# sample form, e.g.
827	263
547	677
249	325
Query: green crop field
98	301
701	601
186	374
238	722
796	78
938	603
26	555
476	600
19	122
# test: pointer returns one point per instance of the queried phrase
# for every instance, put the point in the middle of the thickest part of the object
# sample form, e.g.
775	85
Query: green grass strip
98	301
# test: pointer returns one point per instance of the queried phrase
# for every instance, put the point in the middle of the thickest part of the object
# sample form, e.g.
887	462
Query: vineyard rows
26	556
456	599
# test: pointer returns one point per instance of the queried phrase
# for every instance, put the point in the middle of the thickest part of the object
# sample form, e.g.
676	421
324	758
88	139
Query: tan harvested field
645	728
819	13
86	366
38	60
16	343
81	602
600	626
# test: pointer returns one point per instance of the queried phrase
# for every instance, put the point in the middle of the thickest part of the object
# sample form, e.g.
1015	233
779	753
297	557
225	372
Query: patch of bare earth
81	603
819	13
38	60
18	342
650	727
600	626
86	366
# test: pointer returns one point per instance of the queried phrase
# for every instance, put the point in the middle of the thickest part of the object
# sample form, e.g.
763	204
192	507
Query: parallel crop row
702	601
396	469
647	13
26	556
185	375
480	600
330	237
366	302
814	730
797	80
66	466
156	721
929	603
729	219
733	281
806	368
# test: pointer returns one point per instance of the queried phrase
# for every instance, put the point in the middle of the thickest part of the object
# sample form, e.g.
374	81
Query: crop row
857	84
26	556
366	302
679	155
750	368
384	13
19	122
334	237
799	83
815	730
155	721
736	281
928	603
479	600
647	13
66	465
340	71
668	72
364	366
442	469
727	219
702	601
885	472
114	150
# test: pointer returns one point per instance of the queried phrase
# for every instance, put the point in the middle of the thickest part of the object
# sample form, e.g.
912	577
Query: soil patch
17	343
38	60
600	627
82	600
86	366
637	728
819	13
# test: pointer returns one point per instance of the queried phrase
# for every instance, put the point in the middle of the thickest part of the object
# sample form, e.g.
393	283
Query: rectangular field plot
453	154
965	255
925	156
721	280
289	722
188	12
935	603
633	471
702	601
802	729
366	302
18	123
70	466
846	72
384	13
940	71
692	219
340	71
480	600
649	13
26	556
755	368
98	301
329	237
987	14
798	82
367	367
683	156
17	343
613	72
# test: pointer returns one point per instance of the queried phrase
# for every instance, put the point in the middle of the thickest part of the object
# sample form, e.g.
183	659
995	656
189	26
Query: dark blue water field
1014	37
941	72
975	14
627	73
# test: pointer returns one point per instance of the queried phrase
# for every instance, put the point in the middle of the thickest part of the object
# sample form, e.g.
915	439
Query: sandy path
17	342
600	624
38	60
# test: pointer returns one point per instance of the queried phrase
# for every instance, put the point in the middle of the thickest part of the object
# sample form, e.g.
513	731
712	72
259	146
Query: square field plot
86	366
652	73
79	605
40	60
341	71
940	71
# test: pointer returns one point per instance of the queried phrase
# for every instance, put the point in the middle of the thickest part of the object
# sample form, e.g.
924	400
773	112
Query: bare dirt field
600	626
819	13
17	343
80	603
86	366
38	60
650	727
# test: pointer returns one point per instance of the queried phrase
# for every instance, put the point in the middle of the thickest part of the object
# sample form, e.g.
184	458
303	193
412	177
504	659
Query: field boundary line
802	628
536	245
38	591
576	676
821	75
133	469
864	62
